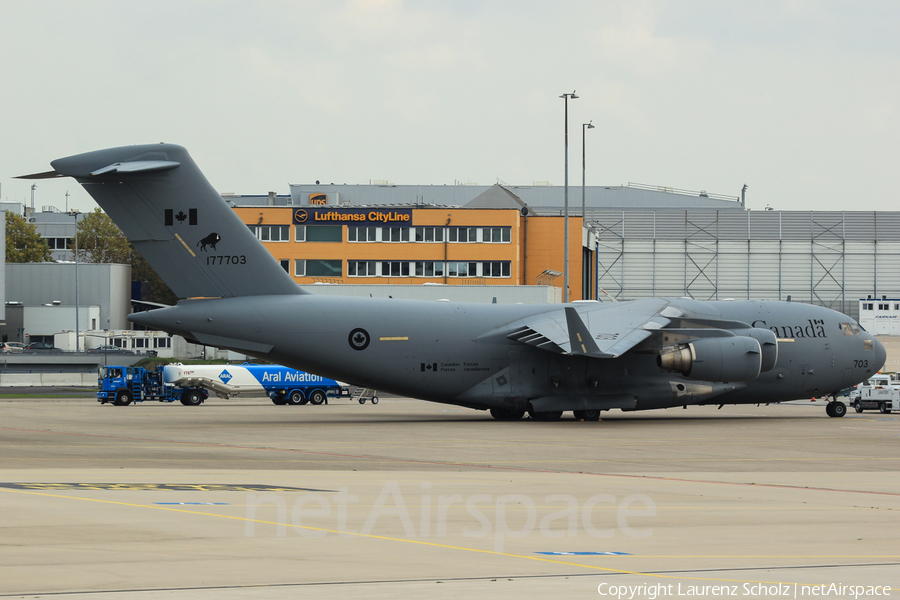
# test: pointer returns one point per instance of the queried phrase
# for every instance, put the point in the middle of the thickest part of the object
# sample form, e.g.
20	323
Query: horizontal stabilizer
44	175
137	166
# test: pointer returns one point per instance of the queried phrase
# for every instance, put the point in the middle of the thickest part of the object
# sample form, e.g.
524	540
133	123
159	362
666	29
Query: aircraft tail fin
164	205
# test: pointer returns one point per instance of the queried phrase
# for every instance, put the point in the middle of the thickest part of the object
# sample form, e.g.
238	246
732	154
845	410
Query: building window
462	269
487	235
371	268
429	269
272	233
883	307
430	234
495	235
317	268
395	268
362	234
318	233
495	269
395	234
463	235
162	342
361	268
58	243
286	265
324	233
377	234
140	342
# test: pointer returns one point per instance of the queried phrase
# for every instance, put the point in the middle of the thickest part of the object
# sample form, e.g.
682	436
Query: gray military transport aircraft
584	357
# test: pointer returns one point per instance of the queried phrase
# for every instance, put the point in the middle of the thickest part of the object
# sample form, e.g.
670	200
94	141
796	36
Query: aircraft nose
880	353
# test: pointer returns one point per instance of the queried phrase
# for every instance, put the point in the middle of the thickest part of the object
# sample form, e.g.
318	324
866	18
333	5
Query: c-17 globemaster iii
584	357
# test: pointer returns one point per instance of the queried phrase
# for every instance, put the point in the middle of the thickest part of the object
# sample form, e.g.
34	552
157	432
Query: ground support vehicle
880	392
121	386
281	384
368	394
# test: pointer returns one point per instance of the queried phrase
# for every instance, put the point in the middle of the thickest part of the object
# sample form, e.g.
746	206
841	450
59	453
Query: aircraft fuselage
459	353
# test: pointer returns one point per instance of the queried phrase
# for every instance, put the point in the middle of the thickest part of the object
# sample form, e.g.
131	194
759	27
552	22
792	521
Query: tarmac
244	499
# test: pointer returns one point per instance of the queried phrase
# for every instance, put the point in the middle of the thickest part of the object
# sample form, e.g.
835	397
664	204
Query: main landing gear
587	415
504	414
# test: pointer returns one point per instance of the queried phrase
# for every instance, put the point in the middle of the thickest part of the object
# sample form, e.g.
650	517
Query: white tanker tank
281	384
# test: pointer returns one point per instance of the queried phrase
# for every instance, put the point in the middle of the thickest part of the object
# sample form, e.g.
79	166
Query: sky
796	99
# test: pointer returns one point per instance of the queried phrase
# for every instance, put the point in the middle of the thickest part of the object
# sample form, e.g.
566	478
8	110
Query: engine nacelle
768	343
732	358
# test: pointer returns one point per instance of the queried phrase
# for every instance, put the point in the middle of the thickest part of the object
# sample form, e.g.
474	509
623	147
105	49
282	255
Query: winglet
580	340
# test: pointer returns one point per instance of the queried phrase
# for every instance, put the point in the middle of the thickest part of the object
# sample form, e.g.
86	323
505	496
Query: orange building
407	244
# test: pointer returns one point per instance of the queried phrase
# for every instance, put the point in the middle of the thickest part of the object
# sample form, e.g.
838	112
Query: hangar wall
826	258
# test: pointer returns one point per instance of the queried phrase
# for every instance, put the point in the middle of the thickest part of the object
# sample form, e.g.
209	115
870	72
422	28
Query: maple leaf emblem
358	339
180	217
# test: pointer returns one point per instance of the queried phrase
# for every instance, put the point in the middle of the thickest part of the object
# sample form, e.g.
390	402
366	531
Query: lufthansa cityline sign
353	216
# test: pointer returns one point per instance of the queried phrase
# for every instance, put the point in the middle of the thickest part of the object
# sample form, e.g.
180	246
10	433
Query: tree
155	289
23	243
100	240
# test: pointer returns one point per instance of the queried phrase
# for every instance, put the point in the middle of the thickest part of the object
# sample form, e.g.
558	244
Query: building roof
543	198
496	196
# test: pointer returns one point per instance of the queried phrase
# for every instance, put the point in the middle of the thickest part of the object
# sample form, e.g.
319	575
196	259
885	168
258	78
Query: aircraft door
528	373
847	379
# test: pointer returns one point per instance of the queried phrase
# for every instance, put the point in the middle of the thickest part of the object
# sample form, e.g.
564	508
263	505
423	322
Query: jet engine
732	358
768	343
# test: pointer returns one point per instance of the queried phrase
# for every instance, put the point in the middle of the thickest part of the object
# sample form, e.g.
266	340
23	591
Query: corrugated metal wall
826	258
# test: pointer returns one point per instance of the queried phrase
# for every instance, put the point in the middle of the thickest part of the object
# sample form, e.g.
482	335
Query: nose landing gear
835	408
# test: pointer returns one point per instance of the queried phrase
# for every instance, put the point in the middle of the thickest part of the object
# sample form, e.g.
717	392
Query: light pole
77	324
584	128
565	98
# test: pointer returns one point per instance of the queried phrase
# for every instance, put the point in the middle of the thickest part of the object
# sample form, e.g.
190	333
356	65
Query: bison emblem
210	240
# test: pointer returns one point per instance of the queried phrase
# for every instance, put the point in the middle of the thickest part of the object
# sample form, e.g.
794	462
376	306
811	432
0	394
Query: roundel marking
300	216
359	339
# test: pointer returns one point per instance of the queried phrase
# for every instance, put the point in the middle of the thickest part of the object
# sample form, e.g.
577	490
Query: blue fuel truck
190	384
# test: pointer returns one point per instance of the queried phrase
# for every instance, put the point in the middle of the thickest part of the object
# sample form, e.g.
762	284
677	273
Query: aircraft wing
601	331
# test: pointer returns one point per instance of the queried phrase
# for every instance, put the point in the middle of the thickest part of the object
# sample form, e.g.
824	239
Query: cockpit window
868	345
850	328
